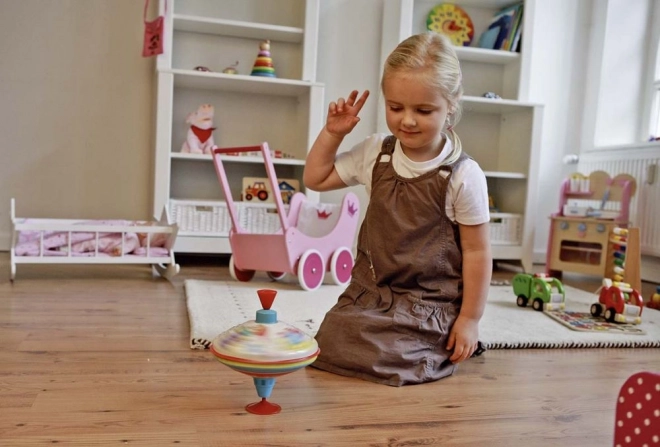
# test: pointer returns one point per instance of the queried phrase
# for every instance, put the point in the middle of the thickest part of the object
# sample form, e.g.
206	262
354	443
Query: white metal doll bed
66	241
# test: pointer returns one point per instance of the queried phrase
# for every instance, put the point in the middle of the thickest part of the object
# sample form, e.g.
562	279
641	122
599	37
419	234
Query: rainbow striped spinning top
265	348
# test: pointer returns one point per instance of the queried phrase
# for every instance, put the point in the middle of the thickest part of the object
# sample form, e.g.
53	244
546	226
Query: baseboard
650	269
650	266
539	257
5	241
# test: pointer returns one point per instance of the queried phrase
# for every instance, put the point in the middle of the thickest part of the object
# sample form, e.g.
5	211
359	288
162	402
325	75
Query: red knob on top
266	296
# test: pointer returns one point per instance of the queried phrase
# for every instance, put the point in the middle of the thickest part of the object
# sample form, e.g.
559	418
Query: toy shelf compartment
211	218
505	229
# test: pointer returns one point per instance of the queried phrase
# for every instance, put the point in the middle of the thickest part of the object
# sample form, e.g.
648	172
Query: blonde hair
434	52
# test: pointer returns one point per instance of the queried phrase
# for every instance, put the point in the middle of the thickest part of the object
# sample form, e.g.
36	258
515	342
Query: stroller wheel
311	270
276	276
238	274
341	266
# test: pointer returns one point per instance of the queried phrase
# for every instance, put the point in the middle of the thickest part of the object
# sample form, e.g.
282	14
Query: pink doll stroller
311	238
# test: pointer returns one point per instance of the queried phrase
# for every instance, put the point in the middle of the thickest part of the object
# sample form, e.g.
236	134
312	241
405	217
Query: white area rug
215	306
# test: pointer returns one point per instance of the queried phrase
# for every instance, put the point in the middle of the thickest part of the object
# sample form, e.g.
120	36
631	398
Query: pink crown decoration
352	209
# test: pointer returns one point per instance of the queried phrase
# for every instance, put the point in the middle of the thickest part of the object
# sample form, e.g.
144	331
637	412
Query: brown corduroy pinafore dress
392	322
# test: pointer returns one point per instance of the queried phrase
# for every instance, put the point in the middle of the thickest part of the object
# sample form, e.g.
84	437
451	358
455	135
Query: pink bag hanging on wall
153	34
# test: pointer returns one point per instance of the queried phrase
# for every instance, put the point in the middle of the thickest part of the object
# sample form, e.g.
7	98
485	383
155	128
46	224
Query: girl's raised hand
343	114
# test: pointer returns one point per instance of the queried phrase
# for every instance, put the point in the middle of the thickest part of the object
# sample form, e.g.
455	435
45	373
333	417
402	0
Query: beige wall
76	110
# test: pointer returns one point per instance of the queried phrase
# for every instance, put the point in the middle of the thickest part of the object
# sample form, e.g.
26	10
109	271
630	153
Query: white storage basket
505	229
211	218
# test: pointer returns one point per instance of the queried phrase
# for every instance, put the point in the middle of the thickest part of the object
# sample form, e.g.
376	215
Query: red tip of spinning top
263	407
266	296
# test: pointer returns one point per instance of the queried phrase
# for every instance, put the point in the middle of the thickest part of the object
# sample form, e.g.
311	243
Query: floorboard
96	356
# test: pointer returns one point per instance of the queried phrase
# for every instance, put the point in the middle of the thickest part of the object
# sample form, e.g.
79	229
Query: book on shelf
503	29
514	41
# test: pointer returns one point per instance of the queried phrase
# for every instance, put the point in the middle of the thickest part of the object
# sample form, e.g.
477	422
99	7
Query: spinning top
265	348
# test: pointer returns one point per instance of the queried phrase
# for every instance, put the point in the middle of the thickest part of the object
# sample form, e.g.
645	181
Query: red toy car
654	302
618	302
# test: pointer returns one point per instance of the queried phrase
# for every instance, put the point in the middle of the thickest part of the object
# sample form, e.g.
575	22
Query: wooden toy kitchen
583	232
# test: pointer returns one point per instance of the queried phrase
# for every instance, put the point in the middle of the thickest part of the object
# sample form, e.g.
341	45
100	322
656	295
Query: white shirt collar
423	166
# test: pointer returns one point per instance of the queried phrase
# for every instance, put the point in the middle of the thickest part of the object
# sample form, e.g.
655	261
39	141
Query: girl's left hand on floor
463	339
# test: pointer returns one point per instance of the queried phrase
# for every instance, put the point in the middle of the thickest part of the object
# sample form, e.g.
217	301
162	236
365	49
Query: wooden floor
94	355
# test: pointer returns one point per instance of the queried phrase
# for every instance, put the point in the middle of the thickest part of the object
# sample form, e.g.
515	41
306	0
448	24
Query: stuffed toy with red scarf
200	135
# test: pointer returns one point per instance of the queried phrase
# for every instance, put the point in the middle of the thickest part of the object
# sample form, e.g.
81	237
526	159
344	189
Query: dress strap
389	143
387	149
449	169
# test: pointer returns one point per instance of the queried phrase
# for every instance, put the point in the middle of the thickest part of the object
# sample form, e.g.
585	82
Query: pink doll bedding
56	243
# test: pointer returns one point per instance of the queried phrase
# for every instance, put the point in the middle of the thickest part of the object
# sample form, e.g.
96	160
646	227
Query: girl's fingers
351	105
351	98
450	341
360	102
462	353
457	355
465	355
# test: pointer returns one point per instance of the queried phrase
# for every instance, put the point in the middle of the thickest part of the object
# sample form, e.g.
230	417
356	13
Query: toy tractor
618	302
545	292
257	189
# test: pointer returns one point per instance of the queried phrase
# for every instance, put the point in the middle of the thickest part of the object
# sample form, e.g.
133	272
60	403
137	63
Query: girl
423	264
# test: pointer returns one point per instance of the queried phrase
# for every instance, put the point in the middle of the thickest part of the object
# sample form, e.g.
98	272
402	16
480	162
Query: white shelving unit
285	111
502	135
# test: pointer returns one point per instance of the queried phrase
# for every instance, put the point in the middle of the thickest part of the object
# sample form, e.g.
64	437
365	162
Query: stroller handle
272	179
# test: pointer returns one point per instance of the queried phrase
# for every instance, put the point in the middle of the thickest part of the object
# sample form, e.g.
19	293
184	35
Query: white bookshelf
285	111
237	28
502	135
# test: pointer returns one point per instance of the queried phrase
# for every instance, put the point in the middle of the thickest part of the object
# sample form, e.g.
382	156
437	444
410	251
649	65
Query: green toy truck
545	292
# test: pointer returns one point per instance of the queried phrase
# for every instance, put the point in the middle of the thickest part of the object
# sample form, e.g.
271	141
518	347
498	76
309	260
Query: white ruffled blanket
56	243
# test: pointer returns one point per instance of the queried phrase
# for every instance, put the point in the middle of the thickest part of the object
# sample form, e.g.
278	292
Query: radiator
644	165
